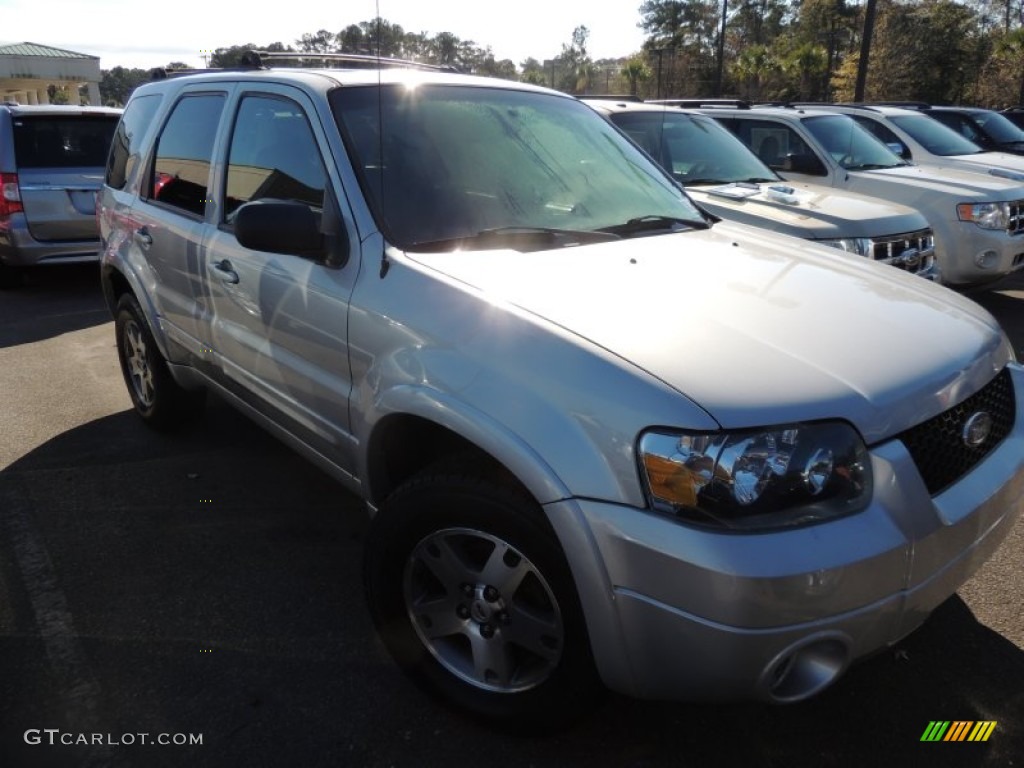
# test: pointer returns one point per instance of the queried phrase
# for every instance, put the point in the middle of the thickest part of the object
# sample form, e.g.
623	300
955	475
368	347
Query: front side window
883	134
694	149
849	144
778	145
998	127
440	163
937	138
273	155
961	125
181	166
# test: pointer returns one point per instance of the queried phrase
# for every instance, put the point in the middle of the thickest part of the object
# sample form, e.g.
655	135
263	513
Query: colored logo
958	730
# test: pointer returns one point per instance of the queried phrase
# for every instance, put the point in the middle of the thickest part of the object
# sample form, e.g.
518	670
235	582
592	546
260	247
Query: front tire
158	399
472	596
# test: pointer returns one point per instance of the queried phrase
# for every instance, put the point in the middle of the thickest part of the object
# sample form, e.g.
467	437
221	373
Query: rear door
60	160
279	321
169	219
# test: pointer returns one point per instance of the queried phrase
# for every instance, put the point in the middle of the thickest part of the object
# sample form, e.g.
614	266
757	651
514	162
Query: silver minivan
52	162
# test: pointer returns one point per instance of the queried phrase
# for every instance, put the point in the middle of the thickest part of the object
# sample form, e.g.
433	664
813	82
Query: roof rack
256	60
359	60
610	97
702	103
904	104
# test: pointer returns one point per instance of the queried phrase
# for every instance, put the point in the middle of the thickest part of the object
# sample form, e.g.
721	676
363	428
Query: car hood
933	181
995	163
810	211
754	327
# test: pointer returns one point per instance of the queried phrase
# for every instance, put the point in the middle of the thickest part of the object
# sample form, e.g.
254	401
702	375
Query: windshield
694	149
937	138
1002	130
850	145
444	163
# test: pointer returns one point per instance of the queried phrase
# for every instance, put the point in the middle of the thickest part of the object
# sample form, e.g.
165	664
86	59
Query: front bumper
976	256
680	613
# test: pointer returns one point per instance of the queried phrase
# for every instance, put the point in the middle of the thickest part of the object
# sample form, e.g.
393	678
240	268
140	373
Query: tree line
938	51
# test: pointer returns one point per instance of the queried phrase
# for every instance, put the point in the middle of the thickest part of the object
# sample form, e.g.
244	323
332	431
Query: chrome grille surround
912	251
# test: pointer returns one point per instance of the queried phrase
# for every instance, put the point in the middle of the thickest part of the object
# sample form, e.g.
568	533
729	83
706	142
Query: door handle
143	238
224	271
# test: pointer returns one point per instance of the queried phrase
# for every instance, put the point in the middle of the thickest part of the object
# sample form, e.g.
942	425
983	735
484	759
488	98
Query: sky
137	33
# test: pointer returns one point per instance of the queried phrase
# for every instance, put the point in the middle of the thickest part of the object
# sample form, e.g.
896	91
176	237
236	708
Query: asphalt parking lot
208	584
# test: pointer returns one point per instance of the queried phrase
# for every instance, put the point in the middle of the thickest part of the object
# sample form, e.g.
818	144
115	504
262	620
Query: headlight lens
753	480
858	245
985	215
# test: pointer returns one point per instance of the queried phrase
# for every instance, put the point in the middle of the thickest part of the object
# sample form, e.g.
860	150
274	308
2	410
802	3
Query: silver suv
51	166
602	440
728	180
914	136
978	220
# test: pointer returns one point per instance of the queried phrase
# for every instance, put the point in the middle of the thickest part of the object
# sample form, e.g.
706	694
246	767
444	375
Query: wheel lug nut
462	611
467	589
491	594
486	631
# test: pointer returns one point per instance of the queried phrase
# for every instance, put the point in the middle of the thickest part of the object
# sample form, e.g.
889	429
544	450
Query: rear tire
158	399
472	595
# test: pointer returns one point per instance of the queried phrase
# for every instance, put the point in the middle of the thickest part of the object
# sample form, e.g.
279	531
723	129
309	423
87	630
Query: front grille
1016	225
938	446
913	251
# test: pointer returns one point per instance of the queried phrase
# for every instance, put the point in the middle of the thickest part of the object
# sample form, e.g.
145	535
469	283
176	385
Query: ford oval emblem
976	429
910	258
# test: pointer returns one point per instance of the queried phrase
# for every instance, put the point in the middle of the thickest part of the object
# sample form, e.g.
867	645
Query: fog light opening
986	259
801	672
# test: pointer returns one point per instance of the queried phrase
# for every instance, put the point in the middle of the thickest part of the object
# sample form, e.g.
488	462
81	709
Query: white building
28	69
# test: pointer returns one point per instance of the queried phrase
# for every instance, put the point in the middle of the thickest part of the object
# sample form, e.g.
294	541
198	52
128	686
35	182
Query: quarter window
181	167
124	154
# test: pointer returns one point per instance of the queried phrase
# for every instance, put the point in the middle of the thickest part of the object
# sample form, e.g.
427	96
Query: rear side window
66	141
126	145
181	165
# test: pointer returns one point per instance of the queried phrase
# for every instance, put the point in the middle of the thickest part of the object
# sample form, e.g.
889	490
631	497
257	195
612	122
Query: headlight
985	215
858	245
772	478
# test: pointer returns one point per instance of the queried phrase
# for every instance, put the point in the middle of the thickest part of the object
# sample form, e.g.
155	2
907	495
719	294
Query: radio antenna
384	264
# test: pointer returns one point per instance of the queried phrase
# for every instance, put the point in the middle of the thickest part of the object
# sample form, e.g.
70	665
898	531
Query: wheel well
115	285
403	445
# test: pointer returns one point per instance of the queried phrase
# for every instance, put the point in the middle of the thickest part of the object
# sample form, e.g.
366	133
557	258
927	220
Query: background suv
52	162
985	127
730	181
978	220
916	137
604	440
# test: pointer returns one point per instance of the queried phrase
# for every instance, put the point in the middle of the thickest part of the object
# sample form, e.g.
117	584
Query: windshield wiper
517	238
654	223
873	166
759	180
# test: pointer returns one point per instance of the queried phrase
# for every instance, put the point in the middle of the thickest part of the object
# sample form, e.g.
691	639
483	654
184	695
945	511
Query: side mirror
898	149
280	226
804	163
